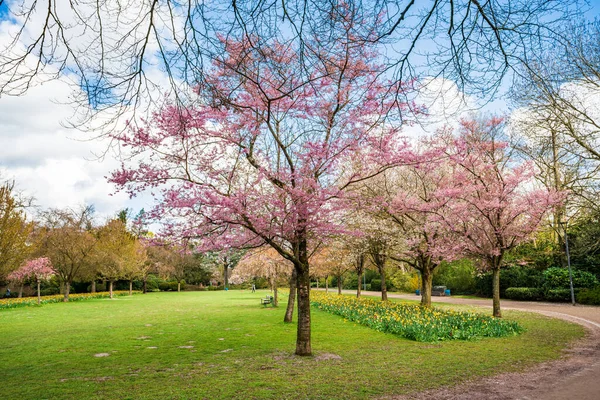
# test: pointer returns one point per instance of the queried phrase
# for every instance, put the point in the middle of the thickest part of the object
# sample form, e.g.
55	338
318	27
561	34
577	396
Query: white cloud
55	165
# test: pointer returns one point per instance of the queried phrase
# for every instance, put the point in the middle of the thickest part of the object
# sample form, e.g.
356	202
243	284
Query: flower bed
58	298
413	321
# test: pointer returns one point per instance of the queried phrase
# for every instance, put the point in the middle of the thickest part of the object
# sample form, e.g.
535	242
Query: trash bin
418	292
447	292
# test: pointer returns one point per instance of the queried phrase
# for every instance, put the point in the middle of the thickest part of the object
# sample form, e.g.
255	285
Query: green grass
240	350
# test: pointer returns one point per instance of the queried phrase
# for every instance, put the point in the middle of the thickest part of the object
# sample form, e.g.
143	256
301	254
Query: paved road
574	377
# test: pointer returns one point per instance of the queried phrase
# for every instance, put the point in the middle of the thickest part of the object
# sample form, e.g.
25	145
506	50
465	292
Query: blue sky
56	165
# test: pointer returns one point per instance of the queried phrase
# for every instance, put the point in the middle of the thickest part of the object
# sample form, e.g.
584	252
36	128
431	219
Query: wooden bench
266	301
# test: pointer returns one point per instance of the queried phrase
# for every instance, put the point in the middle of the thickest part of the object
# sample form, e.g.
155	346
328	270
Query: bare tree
558	124
122	54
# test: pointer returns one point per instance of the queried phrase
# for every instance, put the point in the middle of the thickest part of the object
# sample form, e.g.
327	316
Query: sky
58	166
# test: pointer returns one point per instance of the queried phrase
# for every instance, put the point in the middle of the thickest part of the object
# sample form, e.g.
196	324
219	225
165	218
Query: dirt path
575	376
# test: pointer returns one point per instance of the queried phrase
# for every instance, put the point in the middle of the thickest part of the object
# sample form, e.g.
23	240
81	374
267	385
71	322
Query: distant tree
38	269
67	239
14	229
135	265
333	259
265	263
118	254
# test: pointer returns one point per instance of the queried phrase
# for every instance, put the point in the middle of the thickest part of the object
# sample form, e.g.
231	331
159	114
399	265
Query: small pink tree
492	205
18	278
39	269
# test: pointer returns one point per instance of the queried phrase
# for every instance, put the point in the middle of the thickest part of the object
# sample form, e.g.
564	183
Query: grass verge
226	345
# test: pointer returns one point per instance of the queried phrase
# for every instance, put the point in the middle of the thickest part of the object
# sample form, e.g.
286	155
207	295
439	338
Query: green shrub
511	276
376	285
213	288
351	282
405	281
100	287
151	285
589	296
49	291
562	295
524	293
558	278
458	276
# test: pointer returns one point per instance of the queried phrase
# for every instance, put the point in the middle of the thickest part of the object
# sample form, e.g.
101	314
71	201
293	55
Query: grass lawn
209	345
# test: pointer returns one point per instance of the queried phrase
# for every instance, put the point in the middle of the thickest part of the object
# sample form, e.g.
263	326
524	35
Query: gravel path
575	376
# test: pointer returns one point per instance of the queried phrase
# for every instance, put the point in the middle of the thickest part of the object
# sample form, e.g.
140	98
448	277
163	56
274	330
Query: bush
405	281
458	276
376	285
351	282
213	288
558	278
151	284
100	287
170	286
49	291
562	295
524	293
589	296
512	276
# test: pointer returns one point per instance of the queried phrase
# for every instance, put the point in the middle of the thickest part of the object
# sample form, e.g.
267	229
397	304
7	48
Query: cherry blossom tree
261	159
17	277
409	199
333	259
269	264
493	205
39	269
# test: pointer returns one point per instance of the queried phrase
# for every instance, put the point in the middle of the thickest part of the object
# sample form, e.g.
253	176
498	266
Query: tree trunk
94	286
62	287
275	297
327	284
225	276
130	287
179	286
383	284
496	292
38	292
110	290
21	291
289	311
359	267
339	284
427	279
145	289
303	346
67	291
